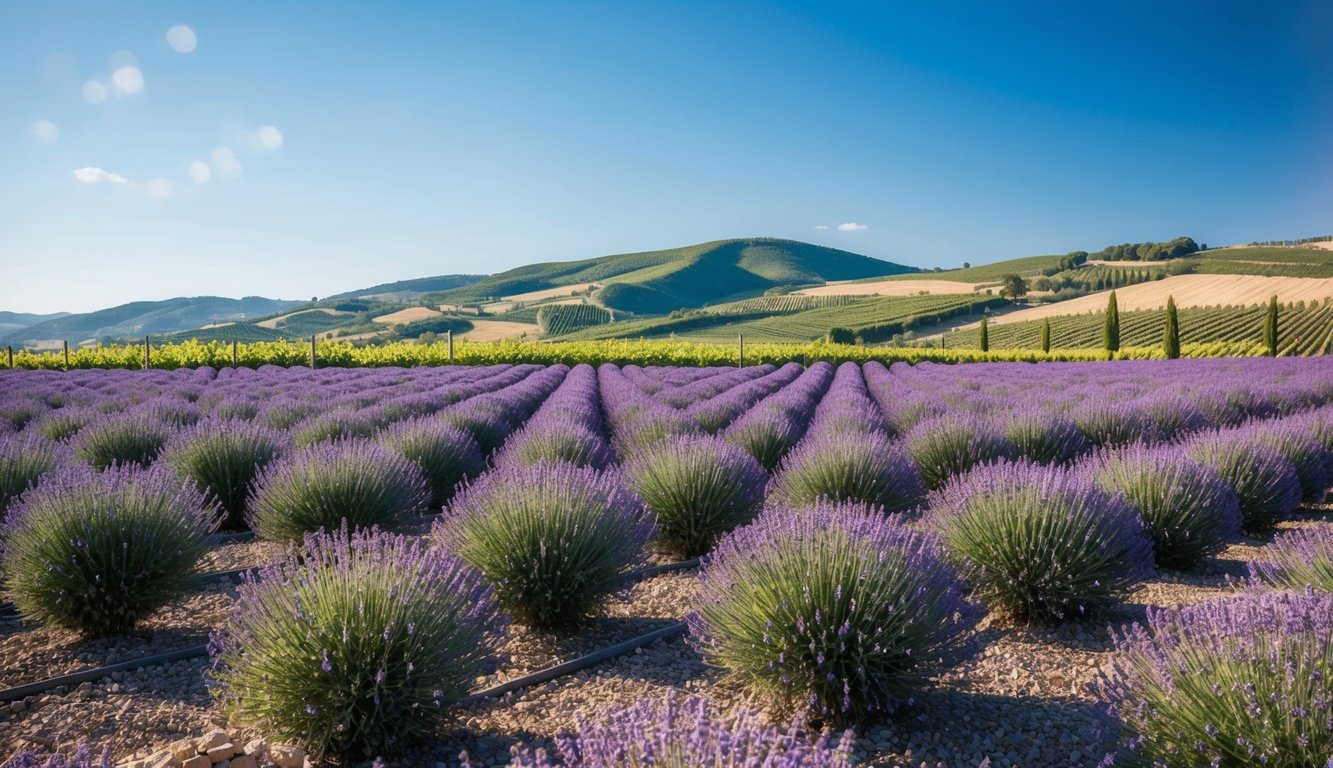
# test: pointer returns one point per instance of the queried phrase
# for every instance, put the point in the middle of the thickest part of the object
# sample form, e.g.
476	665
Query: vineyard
1280	262
1303	329
497	565
560	319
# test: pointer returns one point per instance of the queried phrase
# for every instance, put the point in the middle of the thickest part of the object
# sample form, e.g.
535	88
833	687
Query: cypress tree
1171	335
1046	335
1270	327
1111	333
985	334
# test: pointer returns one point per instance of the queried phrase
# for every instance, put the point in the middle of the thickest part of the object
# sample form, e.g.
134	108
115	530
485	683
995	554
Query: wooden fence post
312	351
147	355
450	336
740	350
67	355
11	357
234	345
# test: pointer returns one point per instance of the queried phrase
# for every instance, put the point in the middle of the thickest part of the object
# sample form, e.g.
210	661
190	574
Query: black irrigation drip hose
541	676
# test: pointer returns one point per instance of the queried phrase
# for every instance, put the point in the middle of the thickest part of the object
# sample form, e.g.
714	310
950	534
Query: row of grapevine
559	319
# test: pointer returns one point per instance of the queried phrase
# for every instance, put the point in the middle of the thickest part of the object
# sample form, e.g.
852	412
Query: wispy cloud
94	175
181	38
266	138
45	131
225	164
851	226
821	226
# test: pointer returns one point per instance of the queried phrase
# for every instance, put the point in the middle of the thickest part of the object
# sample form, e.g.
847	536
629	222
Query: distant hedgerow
698	488
97	552
325	484
553	539
1040	542
838	608
354	645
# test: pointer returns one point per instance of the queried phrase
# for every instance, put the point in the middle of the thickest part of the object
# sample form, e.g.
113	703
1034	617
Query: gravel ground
1023	700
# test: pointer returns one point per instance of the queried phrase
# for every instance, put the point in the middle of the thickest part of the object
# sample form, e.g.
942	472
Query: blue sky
351	144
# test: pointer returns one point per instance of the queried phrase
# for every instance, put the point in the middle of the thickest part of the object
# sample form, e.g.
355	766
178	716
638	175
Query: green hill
140	318
657	282
421	285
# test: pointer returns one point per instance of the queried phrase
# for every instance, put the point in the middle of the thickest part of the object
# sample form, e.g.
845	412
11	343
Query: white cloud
821	226
128	80
267	138
225	163
851	226
181	38
159	188
45	131
94	92
199	171
94	175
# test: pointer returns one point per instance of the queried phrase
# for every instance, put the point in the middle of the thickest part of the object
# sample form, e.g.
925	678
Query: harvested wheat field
409	315
889	288
1188	291
549	293
495	330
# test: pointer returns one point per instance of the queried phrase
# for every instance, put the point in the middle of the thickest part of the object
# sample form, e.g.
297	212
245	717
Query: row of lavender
825	569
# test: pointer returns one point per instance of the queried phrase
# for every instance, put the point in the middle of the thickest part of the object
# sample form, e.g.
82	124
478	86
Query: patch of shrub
838	608
333	426
446	454
1297	559
554	440
1046	438
1040	542
325	484
845	466
698	488
223	457
62	424
354	645
1293	439
24	459
128	439
553	539
1234	682
97	552
767	437
952	444
1263	480
1188	510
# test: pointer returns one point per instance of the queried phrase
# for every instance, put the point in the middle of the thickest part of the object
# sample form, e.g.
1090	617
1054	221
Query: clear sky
298	149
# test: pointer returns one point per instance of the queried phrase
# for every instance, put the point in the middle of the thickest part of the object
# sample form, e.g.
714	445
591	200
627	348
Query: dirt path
890	288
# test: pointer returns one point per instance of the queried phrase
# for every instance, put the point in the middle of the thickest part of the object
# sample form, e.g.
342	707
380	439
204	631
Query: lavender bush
950	445
81	757
1040	542
24	459
1263	480
553	539
698	488
355	644
848	467
64	423
97	552
688	731
325	484
1296	560
223	458
1293	438
554	439
1046	438
129	439
445	454
1188	510
835	608
1235	682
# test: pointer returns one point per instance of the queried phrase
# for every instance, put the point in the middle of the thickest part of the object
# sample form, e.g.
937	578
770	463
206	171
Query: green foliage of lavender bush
64	423
1038	542
952	444
354	645
836	608
1264	481
553	539
1297	559
1231	683
445	454
24	459
325	484
698	488
98	552
132	439
223	458
848	467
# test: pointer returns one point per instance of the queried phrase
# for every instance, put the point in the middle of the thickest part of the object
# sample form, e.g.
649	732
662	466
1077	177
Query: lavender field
1003	564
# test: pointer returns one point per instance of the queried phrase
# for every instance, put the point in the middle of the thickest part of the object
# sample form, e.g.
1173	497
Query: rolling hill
139	318
657	282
